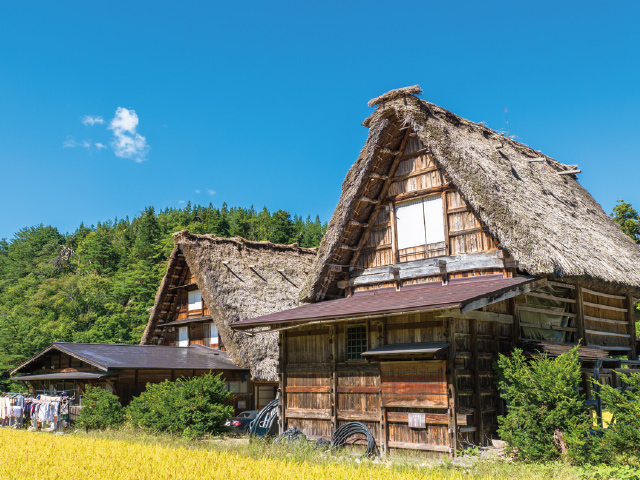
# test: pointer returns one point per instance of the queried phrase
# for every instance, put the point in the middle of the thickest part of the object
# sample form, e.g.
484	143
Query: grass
126	453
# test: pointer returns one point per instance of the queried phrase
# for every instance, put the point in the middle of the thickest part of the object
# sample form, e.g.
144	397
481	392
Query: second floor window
210	334
419	224
195	300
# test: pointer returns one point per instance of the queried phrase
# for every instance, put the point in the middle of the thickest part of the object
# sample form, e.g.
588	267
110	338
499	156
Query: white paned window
433	219
195	300
410	224
183	336
420	222
210	334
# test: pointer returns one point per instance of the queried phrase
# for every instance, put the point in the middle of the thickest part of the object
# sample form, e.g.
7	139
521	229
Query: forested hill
96	284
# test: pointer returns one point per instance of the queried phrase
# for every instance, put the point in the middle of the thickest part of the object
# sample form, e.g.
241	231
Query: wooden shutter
410	224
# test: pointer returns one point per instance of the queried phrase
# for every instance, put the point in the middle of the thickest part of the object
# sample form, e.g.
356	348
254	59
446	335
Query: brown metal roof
65	376
116	357
413	298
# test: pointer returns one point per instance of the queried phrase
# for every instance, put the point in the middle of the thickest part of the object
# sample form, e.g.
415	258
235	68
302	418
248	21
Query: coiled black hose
351	432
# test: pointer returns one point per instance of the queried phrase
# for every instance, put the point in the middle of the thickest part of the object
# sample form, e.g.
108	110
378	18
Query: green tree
627	217
542	401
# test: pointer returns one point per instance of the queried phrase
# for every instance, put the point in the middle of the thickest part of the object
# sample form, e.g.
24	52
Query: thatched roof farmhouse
450	244
238	279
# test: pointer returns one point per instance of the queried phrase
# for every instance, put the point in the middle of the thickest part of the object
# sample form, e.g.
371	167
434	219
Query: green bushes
542	401
619	442
100	409
192	407
545	413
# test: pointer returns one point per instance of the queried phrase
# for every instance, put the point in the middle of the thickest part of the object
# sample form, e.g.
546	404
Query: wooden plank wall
368	391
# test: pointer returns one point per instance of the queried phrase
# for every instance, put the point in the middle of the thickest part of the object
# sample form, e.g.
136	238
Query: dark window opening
356	342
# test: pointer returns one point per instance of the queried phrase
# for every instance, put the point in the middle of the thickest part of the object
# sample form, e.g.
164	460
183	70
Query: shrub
100	409
619	442
193	407
542	400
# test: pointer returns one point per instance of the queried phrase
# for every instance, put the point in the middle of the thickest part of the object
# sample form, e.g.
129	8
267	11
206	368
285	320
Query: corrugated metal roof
117	357
65	376
413	298
407	349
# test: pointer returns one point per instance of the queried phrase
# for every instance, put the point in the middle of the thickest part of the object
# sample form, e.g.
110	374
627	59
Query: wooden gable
415	175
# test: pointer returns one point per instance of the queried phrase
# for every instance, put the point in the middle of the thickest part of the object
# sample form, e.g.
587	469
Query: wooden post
283	381
445	221
334	378
384	426
580	315
633	354
135	387
394	233
515	327
477	391
453	422
452	381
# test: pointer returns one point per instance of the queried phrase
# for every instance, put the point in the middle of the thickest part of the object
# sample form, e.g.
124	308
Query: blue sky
261	103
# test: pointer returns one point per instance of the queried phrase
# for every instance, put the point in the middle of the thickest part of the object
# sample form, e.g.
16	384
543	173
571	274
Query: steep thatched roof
256	279
547	221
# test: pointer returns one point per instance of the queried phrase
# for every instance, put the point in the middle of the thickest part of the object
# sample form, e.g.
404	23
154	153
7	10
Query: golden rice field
30	455
134	455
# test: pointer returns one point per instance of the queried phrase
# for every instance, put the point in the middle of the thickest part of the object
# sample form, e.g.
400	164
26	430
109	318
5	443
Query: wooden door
417	390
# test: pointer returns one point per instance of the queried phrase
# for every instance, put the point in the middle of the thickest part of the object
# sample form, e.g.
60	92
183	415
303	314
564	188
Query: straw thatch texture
548	222
235	291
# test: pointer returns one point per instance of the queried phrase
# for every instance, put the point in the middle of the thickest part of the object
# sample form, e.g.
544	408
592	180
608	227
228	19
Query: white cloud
197	191
180	201
126	142
100	146
211	192
90	121
69	143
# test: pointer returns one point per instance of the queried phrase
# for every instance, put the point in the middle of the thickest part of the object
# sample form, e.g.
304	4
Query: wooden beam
604	307
527	308
561	285
551	297
551	327
383	193
368	200
580	315
607	334
606	295
570	172
481	316
538	159
633	355
355	223
394	234
605	320
415	154
423	192
377	176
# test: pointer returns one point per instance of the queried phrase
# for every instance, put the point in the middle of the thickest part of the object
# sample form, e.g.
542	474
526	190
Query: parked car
242	421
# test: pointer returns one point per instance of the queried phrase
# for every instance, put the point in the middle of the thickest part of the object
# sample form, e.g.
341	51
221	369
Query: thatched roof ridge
257	278
394	94
242	242
548	222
